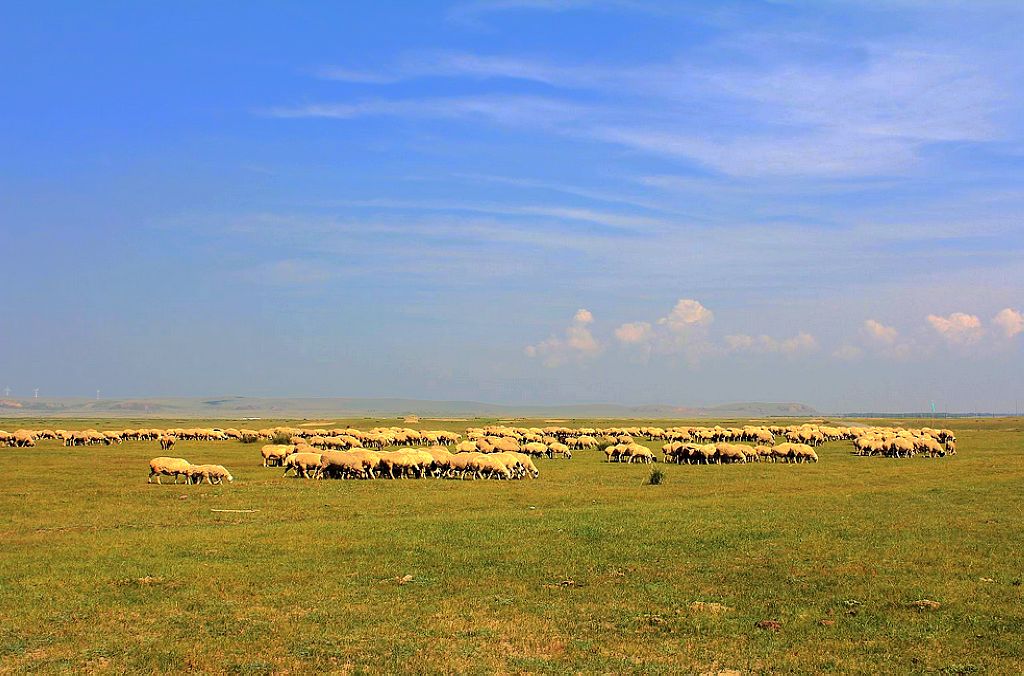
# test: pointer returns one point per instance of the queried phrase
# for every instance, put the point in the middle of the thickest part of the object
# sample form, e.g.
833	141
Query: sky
516	201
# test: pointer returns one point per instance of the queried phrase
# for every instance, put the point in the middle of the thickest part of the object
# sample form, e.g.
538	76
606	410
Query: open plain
585	569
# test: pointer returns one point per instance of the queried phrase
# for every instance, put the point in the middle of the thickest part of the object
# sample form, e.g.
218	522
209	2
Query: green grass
586	569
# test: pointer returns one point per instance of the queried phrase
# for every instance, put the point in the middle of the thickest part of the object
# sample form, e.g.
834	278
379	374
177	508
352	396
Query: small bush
281	438
657	477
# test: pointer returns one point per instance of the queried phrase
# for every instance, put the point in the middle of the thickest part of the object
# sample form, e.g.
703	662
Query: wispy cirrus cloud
874	115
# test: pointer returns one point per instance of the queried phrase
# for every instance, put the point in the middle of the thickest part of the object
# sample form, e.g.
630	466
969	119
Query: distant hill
341	407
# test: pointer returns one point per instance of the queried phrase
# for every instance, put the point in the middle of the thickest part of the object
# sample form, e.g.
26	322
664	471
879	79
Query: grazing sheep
211	474
343	464
527	463
559	449
164	466
305	464
369	459
24	438
641	455
491	467
166	443
536	448
274	454
461	463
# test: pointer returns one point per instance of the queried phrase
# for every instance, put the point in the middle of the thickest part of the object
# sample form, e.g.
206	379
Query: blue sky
517	201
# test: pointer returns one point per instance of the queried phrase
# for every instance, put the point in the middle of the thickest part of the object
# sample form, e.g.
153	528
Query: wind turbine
7	391
36	391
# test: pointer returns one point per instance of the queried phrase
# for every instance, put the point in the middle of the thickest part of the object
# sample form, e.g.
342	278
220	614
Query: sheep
527	463
24	438
274	454
166	443
369	459
340	463
164	466
211	474
466	447
407	462
536	448
442	461
641	454
305	464
557	448
490	466
726	452
462	463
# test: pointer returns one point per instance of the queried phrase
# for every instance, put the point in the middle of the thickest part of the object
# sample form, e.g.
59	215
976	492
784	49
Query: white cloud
576	344
958	328
583	316
877	332
634	332
1010	321
686	314
885	340
682	331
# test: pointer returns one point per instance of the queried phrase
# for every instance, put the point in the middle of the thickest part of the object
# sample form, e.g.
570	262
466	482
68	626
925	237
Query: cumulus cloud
1010	322
583	316
877	332
958	328
682	331
634	332
687	314
881	340
576	344
763	344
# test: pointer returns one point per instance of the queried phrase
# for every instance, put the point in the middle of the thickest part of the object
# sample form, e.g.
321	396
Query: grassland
583	570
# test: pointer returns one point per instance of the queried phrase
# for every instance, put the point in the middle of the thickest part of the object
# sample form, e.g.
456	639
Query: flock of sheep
193	474
499	452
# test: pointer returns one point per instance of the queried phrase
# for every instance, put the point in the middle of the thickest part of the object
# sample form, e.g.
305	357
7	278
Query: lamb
211	474
164	466
166	442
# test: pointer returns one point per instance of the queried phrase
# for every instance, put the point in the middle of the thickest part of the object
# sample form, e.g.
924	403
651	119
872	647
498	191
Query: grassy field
584	570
